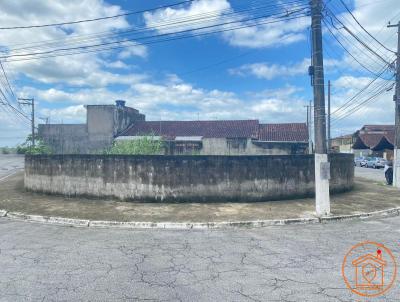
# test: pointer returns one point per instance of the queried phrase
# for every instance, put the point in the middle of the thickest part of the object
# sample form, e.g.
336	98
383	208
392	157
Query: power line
332	15
346	104
8	82
212	14
347	51
368	33
371	98
87	48
95	19
154	36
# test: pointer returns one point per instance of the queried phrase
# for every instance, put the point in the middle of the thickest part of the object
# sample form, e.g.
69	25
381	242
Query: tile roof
288	132
378	128
390	137
208	129
365	141
375	141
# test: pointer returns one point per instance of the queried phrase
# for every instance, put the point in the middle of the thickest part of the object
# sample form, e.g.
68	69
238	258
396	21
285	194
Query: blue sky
257	72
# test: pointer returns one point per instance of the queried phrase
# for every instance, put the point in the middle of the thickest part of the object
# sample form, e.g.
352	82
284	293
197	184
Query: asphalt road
369	173
288	263
41	262
10	163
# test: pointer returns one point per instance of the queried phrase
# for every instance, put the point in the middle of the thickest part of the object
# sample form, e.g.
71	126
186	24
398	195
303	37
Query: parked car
376	163
389	172
360	161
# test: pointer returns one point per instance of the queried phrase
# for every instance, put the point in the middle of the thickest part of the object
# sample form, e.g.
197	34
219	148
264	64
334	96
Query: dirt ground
367	196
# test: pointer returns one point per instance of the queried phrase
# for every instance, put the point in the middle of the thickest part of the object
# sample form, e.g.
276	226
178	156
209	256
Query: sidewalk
367	196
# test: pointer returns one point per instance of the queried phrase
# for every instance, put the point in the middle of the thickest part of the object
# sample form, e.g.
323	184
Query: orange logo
369	269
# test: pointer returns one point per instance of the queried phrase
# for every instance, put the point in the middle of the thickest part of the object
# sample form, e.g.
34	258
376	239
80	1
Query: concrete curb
193	225
49	220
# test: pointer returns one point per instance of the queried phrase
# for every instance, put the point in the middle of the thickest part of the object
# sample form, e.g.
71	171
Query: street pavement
10	163
371	174
41	262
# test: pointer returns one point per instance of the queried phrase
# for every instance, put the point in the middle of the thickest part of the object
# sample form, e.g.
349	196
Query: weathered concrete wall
65	138
104	122
183	178
220	146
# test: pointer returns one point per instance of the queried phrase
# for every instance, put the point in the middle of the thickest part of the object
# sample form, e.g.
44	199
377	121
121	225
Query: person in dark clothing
389	172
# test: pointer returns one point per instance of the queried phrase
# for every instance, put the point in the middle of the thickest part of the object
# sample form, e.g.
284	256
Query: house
223	137
370	140
375	140
343	144
108	123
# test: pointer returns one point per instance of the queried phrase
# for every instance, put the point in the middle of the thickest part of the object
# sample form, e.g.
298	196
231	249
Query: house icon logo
369	269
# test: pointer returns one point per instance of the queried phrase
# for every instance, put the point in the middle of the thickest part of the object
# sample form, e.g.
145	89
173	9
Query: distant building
370	140
106	123
343	144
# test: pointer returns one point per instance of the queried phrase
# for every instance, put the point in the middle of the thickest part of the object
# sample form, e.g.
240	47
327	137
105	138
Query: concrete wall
221	146
183	178
65	138
104	122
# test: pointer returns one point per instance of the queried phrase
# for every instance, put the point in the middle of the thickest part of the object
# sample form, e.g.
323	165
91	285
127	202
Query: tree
39	148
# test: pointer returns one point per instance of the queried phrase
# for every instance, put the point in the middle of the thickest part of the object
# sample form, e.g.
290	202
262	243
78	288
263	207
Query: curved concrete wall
183	178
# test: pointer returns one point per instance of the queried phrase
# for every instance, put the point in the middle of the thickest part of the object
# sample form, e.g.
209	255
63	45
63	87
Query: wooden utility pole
322	168
396	98
31	102
329	117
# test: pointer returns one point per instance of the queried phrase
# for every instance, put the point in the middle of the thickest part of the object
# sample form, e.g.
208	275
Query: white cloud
75	113
269	35
374	16
271	71
254	36
82	69
133	50
177	19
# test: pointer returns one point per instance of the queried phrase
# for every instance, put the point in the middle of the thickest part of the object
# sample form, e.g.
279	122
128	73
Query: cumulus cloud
76	113
82	69
374	16
186	18
271	71
250	34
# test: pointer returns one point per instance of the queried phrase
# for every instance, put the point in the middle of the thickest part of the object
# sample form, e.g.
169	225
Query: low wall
183	178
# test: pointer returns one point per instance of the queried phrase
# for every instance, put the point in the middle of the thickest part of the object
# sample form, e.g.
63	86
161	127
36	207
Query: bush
5	150
39	148
146	145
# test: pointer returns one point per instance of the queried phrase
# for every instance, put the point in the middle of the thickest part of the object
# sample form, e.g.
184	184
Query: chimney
120	103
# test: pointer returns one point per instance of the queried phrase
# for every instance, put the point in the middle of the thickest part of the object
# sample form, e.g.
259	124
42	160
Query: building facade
109	123
370	140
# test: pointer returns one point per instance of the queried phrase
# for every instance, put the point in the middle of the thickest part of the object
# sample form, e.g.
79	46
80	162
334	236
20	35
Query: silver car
376	162
360	161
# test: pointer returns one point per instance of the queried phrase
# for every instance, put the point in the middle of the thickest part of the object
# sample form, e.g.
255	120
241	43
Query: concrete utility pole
322	167
31	102
329	117
396	98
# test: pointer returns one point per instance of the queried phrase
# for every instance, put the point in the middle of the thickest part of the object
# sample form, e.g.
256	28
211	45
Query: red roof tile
390	137
366	141
208	129
372	128
284	132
